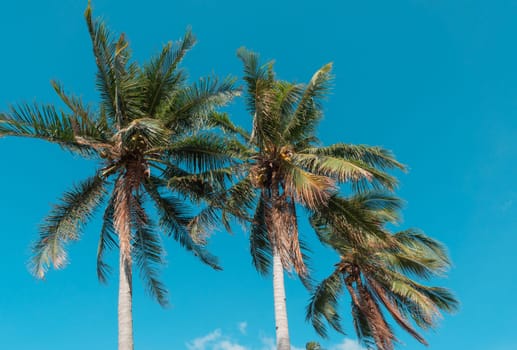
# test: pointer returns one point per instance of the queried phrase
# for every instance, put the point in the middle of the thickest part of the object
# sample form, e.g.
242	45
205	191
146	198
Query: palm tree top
380	271
147	121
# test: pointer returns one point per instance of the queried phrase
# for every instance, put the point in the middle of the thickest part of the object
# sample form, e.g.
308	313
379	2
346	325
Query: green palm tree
147	121
282	165
378	270
312	345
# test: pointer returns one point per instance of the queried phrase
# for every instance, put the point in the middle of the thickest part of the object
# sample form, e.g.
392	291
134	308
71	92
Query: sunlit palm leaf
371	155
309	189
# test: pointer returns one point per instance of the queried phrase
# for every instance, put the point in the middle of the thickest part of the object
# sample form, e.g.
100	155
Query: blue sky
433	80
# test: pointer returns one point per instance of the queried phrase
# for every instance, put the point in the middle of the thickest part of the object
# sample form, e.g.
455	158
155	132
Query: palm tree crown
282	165
378	269
146	122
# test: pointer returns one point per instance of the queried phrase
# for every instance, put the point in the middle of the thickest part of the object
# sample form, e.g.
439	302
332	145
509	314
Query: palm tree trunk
122	223
282	328
125	305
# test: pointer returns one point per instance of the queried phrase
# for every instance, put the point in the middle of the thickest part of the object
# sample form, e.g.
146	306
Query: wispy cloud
242	326
347	344
228	345
269	343
202	343
216	340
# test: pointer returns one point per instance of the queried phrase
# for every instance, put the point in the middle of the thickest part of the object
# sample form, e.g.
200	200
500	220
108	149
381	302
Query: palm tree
312	345
282	165
146	119
378	272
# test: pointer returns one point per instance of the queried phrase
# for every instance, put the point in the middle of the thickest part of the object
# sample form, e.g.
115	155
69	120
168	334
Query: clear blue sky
433	80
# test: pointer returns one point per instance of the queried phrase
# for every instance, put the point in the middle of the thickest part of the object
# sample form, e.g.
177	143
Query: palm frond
240	199
392	308
383	206
174	221
343	223
46	123
203	224
116	78
362	328
306	187
107	241
308	112
260	98
191	107
324	303
260	244
143	134
202	152
222	121
90	126
418	241
360	175
286	98
148	251
162	78
254	74
64	223
373	156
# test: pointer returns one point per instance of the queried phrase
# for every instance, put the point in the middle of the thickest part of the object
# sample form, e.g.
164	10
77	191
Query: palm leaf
148	252
308	113
260	245
107	241
174	221
323	304
373	156
191	106
260	98
222	121
46	123
202	152
307	188
162	78
359	174
116	79
64	223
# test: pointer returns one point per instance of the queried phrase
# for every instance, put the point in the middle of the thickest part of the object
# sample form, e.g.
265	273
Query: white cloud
201	343
228	345
267	343
242	326
347	344
270	344
216	340
296	348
